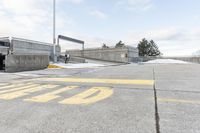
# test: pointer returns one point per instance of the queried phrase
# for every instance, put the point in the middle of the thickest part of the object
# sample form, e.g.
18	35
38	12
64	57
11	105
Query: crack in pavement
157	118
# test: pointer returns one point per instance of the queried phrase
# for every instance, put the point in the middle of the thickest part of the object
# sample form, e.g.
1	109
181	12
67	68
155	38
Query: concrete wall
72	59
17	63
22	46
77	60
124	55
3	50
186	59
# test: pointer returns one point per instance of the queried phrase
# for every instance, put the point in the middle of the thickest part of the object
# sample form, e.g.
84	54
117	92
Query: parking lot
133	98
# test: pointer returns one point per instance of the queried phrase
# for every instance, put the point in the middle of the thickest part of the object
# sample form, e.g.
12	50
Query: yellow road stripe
21	93
19	88
3	84
84	97
50	96
178	100
11	86
103	81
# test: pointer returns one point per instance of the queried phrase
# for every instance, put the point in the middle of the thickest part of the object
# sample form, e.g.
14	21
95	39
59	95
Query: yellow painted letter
50	96
87	98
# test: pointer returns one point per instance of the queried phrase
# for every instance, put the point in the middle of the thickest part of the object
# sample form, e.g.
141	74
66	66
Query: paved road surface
115	99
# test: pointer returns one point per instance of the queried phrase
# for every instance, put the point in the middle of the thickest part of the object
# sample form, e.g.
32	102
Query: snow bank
166	61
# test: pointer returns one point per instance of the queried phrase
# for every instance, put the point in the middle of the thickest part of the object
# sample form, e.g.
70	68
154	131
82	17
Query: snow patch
166	61
79	65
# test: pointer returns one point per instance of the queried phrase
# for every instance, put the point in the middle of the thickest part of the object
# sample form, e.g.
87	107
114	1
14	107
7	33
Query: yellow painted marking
52	66
21	93
19	88
178	101
3	84
11	86
103	81
84	97
50	96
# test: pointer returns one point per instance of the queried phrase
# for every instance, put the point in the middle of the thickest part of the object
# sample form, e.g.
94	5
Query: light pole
54	31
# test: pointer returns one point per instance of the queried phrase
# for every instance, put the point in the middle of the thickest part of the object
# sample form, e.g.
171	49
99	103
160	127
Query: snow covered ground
166	61
79	65
62	69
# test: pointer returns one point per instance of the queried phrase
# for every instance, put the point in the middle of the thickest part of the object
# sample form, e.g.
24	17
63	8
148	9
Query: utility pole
54	31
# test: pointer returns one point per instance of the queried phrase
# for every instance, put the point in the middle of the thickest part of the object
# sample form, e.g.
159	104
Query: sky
172	24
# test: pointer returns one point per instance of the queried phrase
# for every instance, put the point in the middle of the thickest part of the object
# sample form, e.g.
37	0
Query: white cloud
172	41
98	14
18	6
30	19
136	5
75	1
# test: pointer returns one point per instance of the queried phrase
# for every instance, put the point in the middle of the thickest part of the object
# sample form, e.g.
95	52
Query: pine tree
120	44
147	48
105	46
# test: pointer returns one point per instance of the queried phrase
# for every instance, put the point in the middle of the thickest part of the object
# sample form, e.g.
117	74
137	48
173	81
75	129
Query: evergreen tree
105	46
120	44
147	48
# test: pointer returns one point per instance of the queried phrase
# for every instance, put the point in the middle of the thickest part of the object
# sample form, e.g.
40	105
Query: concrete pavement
103	100
178	94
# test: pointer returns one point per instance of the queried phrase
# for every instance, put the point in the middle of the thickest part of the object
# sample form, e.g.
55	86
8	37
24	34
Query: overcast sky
173	24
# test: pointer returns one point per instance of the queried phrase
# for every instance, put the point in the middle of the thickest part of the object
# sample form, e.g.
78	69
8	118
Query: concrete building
122	54
18	54
18	46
